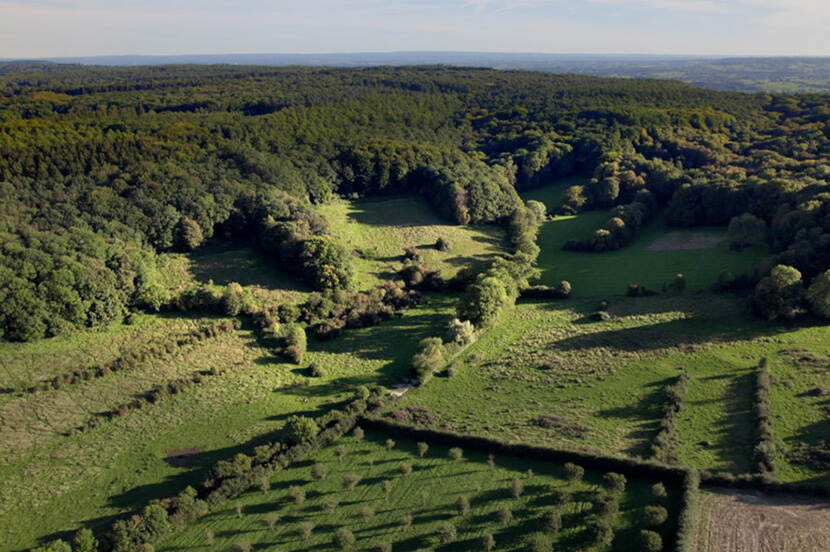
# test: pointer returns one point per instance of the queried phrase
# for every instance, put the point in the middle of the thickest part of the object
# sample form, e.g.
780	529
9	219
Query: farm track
749	521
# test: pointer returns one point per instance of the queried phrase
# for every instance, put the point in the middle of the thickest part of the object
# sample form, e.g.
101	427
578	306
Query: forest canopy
102	169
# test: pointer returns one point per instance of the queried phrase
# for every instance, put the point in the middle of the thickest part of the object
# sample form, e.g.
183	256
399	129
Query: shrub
606	504
423	448
818	295
330	504
305	529
551	521
460	332
271	520
540	212
455	454
447	533
516	487
316	371
387	488
488	543
600	533
340	451
574	473
319	471
650	541
366	514
344	539
655	515
442	245
300	429
504	515
350	481
563	290
297	494
560	497
295	343
659	490
242	546
233	299
614	482
358	433
384	546
405	468
429	359
779	294
390	444
84	541
462	505
538	542
406	522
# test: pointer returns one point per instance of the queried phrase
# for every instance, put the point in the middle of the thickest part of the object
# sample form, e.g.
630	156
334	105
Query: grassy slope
442	480
381	228
49	484
608	377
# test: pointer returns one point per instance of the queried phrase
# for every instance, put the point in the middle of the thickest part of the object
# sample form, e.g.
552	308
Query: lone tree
441	244
387	489
462	505
297	494
350	481
319	471
455	453
357	432
422	449
271	520
390	444
447	533
779	294
330	505
429	358
551	521
295	343
538	542
305	529
488	543
504	515
516	487
538	209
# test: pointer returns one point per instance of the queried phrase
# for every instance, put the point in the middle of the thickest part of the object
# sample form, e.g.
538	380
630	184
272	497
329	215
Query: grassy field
601	384
429	494
50	483
379	230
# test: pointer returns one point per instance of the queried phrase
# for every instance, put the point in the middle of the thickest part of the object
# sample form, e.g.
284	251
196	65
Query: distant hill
774	74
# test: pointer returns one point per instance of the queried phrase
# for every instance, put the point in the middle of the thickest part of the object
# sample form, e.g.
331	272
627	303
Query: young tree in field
233	299
296	343
358	433
614	482
504	515
659	490
271	520
387	489
384	546
655	515
300	429
340	451
551	521
488	543
242	546
460	332
297	494
650	541
462	505
405	468
560	497
305	529
319	471
818	295
264	484
390	444
538	542
422	449
209	537
574	473
429	359
491	461
238	508
366	514
330	505
516	487
344	539
447	533
406	522
350	481
779	294
455	454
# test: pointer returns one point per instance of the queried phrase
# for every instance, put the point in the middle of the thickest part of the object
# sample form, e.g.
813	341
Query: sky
51	28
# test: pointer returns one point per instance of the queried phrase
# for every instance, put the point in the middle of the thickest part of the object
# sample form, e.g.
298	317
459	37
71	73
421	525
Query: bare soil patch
750	521
681	241
179	458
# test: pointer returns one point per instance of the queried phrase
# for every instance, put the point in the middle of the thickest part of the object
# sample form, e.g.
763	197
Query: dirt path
748	521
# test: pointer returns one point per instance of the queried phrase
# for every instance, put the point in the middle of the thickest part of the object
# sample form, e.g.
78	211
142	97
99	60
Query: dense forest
102	169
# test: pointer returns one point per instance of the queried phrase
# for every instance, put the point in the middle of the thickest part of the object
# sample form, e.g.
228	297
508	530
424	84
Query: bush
447	533
242	546
779	294
614	482
460	332
423	448
488	543
600	316
319	471
551	521
538	542
366	514
316	371
350	481
295	343
818	295
462	505
455	454
574	473
560	497
504	515
659	490
516	487
297	494
442	244
655	515
305	529
344	539
429	359
650	541
300	429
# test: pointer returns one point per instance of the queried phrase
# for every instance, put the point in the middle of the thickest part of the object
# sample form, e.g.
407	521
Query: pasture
378	230
426	490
